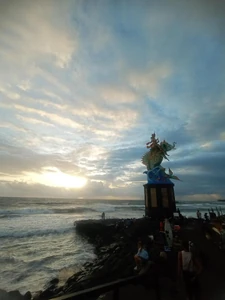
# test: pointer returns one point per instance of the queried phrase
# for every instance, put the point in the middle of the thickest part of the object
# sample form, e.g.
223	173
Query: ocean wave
23	211
3	216
45	261
32	233
98	207
130	207
9	259
38	211
73	210
103	207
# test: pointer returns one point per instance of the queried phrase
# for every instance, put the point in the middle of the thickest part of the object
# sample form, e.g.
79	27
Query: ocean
38	241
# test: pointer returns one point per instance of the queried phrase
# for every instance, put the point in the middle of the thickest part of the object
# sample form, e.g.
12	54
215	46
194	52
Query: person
161	226
142	257
213	214
206	217
103	216
189	268
199	215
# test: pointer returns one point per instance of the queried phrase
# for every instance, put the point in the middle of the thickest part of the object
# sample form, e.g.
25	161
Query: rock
46	294
54	281
61	293
15	295
37	295
27	296
73	278
87	265
3	294
12	295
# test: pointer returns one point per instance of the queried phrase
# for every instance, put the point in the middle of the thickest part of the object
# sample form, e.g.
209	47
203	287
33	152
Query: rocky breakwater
115	244
14	295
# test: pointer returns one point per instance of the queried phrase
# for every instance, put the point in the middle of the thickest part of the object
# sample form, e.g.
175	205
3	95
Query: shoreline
115	247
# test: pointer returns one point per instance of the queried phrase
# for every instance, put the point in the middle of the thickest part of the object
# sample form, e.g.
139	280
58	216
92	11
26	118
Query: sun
53	177
60	179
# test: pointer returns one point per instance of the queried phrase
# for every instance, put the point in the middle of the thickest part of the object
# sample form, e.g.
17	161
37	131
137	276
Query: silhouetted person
206	216
199	215
213	214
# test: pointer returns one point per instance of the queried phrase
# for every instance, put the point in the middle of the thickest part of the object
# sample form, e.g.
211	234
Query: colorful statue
153	159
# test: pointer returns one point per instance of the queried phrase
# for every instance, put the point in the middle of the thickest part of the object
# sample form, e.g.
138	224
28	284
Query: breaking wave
32	233
18	212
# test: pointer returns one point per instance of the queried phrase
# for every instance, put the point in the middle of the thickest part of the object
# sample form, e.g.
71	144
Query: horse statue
153	159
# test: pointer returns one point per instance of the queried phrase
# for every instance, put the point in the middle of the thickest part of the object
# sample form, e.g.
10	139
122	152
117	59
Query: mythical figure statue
153	159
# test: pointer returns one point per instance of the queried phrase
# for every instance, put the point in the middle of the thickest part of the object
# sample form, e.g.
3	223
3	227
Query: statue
153	158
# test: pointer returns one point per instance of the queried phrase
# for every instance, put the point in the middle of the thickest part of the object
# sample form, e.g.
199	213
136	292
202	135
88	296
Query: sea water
38	241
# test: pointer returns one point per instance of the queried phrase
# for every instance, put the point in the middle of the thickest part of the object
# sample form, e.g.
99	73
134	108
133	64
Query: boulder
14	295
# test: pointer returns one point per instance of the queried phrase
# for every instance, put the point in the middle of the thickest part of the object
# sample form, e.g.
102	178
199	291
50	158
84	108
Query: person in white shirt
188	269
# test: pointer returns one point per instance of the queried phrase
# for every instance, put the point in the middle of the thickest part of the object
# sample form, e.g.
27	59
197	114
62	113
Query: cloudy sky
84	84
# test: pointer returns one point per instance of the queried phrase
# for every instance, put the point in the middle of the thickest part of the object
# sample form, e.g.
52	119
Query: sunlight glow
53	177
60	179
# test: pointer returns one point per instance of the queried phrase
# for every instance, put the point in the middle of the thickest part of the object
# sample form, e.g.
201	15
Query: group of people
210	216
188	266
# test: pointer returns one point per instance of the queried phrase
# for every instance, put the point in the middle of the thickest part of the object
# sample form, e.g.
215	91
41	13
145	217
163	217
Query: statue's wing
145	159
175	177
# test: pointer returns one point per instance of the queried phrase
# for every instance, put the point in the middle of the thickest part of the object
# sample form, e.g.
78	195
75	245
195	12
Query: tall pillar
159	200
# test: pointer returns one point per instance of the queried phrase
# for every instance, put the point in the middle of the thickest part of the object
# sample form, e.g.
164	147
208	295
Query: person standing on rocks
199	215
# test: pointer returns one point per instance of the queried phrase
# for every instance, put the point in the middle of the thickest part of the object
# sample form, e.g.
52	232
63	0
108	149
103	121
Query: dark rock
73	278
46	294
3	295
54	281
87	264
27	296
12	295
37	294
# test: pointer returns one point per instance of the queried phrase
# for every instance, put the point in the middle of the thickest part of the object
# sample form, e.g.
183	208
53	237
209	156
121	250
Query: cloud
84	84
33	121
12	127
34	32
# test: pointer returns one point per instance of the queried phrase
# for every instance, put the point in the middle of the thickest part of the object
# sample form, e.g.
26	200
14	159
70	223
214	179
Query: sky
84	84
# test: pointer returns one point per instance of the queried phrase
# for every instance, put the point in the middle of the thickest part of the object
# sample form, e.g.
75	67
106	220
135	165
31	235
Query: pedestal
159	200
